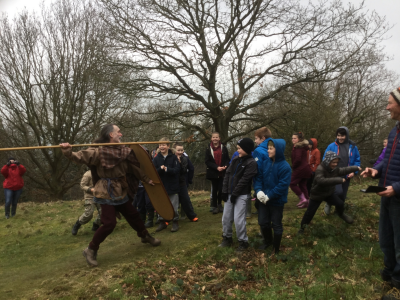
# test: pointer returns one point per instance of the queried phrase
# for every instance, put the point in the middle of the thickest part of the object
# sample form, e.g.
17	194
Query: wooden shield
157	193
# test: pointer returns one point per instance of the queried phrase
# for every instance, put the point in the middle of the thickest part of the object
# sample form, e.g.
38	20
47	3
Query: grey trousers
235	213
175	204
87	215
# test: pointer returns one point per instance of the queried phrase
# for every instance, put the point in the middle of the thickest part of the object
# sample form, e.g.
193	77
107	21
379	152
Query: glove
9	163
233	199
225	197
16	162
262	197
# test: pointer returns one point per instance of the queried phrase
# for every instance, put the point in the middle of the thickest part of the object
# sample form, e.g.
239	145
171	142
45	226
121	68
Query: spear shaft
86	145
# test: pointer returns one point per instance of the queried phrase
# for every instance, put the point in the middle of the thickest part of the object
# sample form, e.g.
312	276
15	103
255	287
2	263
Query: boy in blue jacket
348	155
236	187
272	192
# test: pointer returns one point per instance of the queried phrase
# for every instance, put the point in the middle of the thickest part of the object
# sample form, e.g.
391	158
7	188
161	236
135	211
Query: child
168	168
217	160
301	169
236	187
327	176
183	194
348	153
314	160
382	155
272	193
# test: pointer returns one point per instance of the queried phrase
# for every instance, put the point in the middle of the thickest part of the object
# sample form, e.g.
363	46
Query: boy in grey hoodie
327	176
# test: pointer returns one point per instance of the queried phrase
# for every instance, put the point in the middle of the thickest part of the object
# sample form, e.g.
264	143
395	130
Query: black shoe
150	217
300	232
242	246
7	216
396	283
161	226
267	233
346	218
175	226
76	227
95	227
143	217
277	242
226	242
215	210
385	277
220	208
393	294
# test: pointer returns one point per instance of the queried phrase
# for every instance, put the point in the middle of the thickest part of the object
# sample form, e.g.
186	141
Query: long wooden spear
88	145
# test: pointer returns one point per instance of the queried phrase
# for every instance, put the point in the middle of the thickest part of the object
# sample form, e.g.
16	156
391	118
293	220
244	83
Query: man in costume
115	174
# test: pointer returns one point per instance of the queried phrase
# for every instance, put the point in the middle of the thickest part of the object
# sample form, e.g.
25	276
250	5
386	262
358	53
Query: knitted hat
11	158
396	95
247	145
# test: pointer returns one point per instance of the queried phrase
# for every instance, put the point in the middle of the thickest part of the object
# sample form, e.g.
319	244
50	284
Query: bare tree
54	86
209	59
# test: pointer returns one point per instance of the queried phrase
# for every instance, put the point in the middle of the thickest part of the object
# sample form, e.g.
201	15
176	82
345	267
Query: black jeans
270	217
309	183
184	199
341	189
142	201
313	207
217	191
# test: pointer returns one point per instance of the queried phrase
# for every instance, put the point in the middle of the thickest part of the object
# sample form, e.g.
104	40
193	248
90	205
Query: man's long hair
104	134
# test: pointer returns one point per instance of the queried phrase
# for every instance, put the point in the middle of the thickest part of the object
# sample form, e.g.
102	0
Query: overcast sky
388	8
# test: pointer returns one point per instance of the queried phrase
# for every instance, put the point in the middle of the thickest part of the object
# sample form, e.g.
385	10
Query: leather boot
248	208
277	242
152	241
76	227
161	226
267	233
95	226
90	256
150	219
303	201
175	226
226	242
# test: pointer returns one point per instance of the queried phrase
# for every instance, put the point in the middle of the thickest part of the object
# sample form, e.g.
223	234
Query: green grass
40	259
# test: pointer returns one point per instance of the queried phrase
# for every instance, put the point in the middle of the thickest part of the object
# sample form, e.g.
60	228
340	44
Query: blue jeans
270	217
389	235
11	200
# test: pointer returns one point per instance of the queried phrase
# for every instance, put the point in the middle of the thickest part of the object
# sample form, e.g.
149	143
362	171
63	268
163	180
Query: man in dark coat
388	170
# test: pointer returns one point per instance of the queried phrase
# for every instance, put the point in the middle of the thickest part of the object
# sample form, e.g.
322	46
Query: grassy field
40	259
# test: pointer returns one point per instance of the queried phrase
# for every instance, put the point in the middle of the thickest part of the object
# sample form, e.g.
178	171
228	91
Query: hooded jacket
326	178
300	166
388	168
276	175
260	155
169	178
353	156
314	156
212	171
238	177
13	176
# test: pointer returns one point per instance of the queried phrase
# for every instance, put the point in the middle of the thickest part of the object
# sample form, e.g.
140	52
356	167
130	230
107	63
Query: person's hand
344	180
92	190
261	196
233	198
16	162
225	197
359	169
388	193
151	182
351	175
65	145
220	169
163	167
369	172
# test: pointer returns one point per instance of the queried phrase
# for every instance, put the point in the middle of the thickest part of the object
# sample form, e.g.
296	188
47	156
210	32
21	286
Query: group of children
271	175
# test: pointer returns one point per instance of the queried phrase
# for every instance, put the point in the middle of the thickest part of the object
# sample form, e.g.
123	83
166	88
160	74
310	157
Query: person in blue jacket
348	154
272	192
388	170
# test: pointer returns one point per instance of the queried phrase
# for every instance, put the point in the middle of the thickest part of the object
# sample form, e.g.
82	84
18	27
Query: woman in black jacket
217	160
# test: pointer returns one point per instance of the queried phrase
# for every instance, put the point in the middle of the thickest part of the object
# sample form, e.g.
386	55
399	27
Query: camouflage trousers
87	215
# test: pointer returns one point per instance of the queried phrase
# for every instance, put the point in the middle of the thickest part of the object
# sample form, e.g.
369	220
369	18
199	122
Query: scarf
217	153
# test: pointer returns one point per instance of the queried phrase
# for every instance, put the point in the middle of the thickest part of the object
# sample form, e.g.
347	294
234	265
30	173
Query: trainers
152	241
90	256
211	209
346	218
327	209
194	219
7	217
175	226
220	208
95	227
226	242
76	227
149	223
215	210
242	246
161	226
